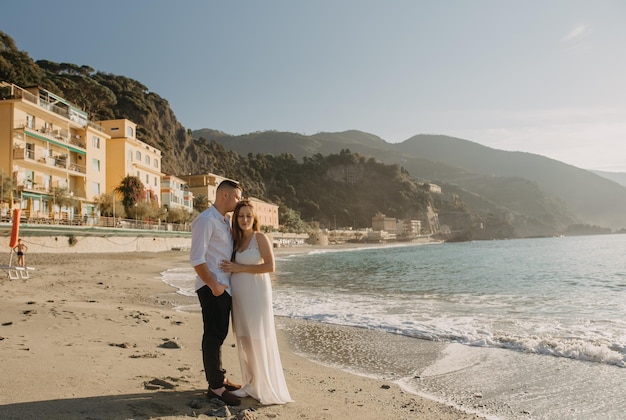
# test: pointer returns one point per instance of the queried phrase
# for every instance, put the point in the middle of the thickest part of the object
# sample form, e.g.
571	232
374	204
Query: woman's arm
267	253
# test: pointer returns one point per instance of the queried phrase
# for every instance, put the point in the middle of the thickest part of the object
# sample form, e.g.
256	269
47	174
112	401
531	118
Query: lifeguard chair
15	272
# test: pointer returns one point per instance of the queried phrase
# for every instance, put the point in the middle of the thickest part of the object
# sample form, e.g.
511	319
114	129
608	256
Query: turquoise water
528	329
563	297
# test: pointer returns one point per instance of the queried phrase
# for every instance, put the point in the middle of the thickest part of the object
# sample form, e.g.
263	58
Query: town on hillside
57	165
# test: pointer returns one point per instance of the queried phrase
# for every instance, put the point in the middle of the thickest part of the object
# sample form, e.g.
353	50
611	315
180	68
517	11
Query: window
155	181
29	177
138	156
95	188
130	155
30	121
30	150
156	163
147	160
96	142
96	165
147	179
130	132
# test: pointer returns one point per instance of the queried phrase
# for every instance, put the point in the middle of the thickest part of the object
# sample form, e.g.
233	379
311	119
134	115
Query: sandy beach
95	336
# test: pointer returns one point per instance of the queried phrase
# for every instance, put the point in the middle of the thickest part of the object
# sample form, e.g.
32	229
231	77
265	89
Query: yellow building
54	154
204	185
128	156
266	212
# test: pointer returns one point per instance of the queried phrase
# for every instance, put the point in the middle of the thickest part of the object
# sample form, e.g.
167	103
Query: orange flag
15	230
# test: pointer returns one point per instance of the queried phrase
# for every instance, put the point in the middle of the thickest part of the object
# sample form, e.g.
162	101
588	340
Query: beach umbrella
29	207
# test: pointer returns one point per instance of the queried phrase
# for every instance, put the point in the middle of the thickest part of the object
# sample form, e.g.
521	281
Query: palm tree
201	203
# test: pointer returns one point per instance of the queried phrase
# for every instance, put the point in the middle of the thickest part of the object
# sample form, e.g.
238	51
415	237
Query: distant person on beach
21	249
253	316
211	242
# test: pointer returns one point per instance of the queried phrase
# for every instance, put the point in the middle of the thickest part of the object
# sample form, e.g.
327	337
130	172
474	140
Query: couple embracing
232	264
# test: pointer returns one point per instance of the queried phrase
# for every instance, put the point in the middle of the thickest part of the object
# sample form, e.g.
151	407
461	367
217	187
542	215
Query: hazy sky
540	76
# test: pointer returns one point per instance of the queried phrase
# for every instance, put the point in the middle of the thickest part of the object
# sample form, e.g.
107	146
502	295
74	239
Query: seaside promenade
93	239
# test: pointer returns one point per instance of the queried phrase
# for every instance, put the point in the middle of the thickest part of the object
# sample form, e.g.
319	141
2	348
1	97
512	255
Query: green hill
592	198
521	183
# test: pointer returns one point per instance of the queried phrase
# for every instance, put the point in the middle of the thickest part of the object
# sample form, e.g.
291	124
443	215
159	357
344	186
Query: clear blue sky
540	76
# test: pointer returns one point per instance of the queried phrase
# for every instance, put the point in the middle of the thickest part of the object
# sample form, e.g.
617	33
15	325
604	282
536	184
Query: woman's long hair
237	232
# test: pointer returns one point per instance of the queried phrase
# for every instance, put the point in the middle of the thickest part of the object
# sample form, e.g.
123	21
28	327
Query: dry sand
93	336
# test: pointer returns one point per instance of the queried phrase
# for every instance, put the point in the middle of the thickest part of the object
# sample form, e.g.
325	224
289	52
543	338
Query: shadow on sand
132	406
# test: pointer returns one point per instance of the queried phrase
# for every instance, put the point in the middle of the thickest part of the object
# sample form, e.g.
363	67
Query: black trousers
216	319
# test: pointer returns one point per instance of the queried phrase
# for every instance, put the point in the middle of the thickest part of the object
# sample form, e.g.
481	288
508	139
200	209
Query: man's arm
201	230
202	270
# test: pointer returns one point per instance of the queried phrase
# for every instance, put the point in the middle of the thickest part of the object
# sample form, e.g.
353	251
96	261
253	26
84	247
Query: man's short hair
228	183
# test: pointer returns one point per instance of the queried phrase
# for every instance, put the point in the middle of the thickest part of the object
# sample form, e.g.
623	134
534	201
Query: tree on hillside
16	66
80	88
290	221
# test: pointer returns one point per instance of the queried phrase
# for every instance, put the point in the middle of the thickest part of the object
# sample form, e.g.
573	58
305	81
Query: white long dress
253	324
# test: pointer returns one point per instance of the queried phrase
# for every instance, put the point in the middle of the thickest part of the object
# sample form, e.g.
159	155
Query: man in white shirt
211	242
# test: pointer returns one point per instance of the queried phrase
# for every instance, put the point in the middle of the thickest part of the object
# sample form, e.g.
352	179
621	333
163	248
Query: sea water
528	328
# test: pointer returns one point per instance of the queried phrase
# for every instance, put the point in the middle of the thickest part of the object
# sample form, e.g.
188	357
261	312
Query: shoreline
89	336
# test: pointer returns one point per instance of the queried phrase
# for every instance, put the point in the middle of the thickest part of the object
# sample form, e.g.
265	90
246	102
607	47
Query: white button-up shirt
211	242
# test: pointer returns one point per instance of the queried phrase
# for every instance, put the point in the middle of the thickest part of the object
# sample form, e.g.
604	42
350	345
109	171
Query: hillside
619	177
593	199
522	183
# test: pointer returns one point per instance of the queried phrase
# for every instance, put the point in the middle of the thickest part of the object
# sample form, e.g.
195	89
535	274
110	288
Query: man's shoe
231	386
240	393
226	397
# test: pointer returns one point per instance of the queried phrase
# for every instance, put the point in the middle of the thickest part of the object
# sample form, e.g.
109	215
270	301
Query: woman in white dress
253	316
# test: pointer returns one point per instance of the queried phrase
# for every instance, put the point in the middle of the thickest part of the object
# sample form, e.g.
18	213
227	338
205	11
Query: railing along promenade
101	222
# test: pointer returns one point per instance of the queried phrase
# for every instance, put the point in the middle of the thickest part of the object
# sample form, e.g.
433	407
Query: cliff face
157	124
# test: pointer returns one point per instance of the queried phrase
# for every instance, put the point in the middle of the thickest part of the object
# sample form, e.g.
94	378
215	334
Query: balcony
21	154
57	136
45	100
56	162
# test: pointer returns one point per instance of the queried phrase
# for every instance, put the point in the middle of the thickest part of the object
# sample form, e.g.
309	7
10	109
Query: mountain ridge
592	199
